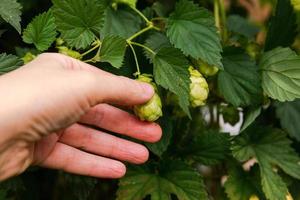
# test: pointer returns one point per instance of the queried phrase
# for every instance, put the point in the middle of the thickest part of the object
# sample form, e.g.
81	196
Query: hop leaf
198	88
113	50
174	178
239	82
41	31
9	63
192	29
281	74
10	11
271	148
79	21
171	72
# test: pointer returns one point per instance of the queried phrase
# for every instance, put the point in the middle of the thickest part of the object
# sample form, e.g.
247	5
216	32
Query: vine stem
141	14
217	14
135	58
92	49
141	32
143	46
223	19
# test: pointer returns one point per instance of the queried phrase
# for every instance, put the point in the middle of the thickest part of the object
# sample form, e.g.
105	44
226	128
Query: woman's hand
48	108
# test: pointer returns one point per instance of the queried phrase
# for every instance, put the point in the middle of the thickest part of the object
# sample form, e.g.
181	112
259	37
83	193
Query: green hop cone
254	197
59	42
198	88
69	52
206	69
28	57
152	110
253	50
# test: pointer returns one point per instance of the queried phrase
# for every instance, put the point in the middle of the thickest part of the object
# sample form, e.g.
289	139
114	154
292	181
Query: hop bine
151	110
198	88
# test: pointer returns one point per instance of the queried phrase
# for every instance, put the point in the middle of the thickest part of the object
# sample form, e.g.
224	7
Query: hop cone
198	88
151	110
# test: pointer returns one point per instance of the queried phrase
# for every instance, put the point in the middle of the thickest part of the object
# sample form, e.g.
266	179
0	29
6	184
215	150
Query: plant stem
223	20
141	32
158	18
135	59
90	50
143	46
141	14
217	14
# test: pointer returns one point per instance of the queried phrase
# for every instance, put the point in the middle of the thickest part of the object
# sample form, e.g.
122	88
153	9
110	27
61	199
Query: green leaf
41	31
156	41
281	74
113	50
78	187
271	148
282	29
9	63
250	117
240	185
171	72
174	177
192	29
239	82
160	147
120	22
10	11
240	25
12	188
289	115
79	21
209	148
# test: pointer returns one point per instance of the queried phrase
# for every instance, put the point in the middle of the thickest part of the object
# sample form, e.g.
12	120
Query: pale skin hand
46	106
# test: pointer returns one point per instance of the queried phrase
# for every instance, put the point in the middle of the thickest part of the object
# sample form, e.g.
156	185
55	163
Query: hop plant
28	57
69	52
198	88
206	69
151	110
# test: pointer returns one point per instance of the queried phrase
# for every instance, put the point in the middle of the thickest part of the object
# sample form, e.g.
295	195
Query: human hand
45	107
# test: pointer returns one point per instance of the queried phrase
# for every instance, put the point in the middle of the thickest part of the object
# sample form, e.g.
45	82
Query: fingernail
148	90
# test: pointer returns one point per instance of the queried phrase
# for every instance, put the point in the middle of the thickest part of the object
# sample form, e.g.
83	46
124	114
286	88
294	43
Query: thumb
105	87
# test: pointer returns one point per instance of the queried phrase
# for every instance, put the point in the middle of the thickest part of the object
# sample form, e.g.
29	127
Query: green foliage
80	187
250	117
239	82
241	26
281	74
10	11
289	113
282	30
120	22
174	177
78	21
241	185
160	147
194	159
192	30
113	50
209	148
272	150
171	72
9	63
41	31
